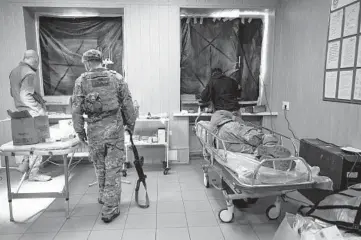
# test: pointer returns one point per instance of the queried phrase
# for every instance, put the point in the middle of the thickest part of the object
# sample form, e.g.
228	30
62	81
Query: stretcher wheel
272	212
226	216
124	173
206	181
165	172
252	200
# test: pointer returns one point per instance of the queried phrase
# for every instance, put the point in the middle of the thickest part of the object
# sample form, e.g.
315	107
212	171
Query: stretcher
49	149
246	178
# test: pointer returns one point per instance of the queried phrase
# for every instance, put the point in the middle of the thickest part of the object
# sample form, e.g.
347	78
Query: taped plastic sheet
342	209
233	46
64	40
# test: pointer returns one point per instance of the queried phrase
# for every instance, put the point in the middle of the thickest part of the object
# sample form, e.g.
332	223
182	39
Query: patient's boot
276	151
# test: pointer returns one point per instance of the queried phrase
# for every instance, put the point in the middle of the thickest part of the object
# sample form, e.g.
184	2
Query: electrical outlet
285	105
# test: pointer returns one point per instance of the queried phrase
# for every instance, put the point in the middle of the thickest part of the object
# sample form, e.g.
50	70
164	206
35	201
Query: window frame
267	53
65	99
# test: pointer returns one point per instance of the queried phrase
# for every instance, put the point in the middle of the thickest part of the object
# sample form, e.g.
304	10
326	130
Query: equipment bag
342	209
138	164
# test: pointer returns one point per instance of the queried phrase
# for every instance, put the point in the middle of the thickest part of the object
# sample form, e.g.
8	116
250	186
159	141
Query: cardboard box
41	124
27	130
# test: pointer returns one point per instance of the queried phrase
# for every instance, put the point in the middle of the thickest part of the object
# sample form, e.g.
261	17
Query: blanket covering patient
243	138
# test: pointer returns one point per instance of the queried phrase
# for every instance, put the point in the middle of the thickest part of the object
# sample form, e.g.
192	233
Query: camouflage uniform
104	97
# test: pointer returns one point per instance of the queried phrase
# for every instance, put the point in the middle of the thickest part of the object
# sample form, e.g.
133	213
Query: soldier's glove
82	137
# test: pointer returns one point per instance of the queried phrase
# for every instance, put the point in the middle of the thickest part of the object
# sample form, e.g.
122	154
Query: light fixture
242	20
249	20
201	20
188	20
195	20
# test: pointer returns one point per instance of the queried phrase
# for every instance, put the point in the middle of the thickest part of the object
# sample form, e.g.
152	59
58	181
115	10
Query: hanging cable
289	125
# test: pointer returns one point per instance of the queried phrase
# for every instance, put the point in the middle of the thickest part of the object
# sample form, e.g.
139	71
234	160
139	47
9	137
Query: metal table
49	149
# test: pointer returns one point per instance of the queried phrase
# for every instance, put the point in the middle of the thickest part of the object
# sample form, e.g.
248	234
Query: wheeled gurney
247	178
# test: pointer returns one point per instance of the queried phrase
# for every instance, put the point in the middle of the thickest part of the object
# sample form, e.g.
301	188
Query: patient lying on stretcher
243	138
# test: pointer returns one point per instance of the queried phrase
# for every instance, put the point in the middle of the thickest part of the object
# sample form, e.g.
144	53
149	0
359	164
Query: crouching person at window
104	97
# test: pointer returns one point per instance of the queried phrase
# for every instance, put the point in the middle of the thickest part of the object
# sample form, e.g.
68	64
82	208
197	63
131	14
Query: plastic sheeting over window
232	45
64	40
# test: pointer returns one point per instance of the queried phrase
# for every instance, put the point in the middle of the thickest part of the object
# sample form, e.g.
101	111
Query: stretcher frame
240	190
69	148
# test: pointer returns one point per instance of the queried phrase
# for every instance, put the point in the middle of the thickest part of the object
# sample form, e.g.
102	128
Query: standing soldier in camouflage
104	97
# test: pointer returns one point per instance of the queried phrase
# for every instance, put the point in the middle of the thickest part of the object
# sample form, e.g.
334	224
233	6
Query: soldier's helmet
92	54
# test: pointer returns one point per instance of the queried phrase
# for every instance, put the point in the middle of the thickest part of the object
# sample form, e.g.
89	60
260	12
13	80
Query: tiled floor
181	209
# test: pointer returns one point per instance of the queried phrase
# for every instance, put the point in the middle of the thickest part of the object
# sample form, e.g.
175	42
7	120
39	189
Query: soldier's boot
108	216
34	174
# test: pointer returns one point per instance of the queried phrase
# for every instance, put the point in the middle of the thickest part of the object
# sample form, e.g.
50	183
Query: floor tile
208	233
10	237
169	187
84	223
13	228
173	234
197	206
141	221
170	207
169	196
46	225
117	224
78	235
265	231
213	193
171	220
217	205
258	218
108	234
201	219
194	195
192	186
141	234
86	210
58	206
38	236
89	198
135	209
236	232
168	178
93	189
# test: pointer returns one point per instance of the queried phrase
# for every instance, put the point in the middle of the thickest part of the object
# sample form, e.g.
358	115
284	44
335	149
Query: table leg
66	177
10	196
